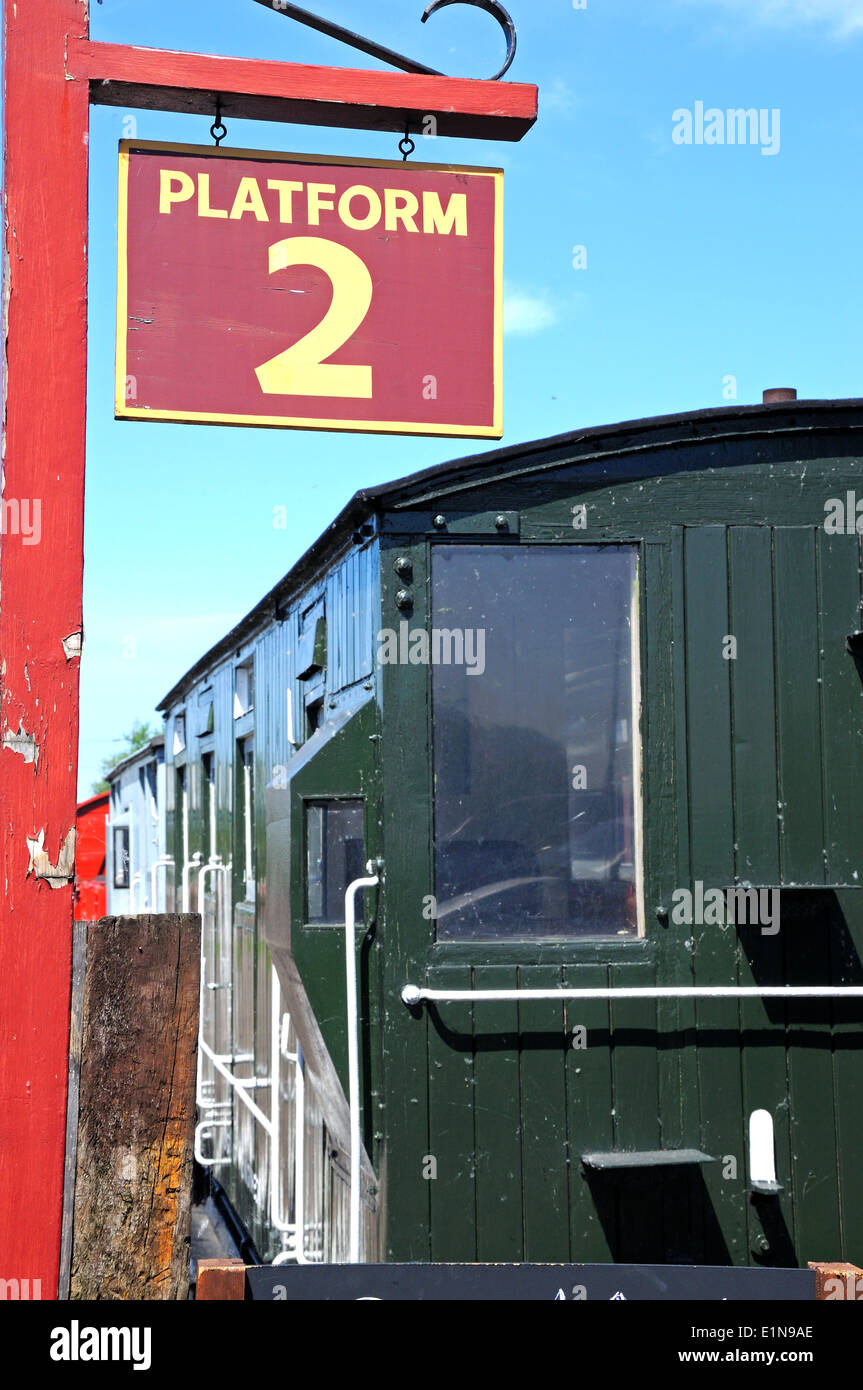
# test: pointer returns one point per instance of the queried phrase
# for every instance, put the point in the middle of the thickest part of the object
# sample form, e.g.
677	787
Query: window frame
308	803
524	945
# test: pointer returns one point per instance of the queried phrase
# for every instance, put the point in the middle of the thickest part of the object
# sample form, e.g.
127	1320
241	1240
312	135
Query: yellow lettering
204	209
248	199
436	220
302	370
400	206
167	194
316	203
372	217
286	189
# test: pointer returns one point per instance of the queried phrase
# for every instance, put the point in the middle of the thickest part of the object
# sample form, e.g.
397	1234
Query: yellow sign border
123	411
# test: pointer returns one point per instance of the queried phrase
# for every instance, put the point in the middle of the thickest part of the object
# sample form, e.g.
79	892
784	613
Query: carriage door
533	880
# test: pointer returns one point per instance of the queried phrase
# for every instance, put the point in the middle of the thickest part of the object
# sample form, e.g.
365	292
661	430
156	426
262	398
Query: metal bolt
404	599
501	522
439	522
404	567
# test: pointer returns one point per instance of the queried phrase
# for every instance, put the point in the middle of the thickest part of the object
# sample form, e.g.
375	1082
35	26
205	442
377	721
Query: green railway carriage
564	698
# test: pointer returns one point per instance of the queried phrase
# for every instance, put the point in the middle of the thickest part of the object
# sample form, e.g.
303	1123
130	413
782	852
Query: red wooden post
41	561
51	73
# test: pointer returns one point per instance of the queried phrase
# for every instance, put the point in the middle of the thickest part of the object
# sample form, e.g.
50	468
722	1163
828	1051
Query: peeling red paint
56	875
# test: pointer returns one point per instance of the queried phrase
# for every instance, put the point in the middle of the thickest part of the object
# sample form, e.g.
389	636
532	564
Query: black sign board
519	1283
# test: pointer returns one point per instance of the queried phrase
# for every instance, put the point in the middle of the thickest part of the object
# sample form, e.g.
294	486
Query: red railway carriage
90	892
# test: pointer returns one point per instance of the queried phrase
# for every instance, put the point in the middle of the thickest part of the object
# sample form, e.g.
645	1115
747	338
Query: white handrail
413	995
353	1055
162	862
291	1228
187	868
238	1086
212	866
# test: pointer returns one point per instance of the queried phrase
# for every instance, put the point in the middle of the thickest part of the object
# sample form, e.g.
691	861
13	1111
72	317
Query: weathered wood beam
221	1280
295	93
136	1114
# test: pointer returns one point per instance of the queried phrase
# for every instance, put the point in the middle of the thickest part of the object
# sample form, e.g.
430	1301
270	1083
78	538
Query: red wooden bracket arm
294	93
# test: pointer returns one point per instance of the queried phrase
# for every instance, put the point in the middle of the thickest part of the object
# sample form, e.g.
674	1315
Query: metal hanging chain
406	144
218	129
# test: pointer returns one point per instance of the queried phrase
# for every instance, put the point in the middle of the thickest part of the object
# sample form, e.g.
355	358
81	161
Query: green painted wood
846	952
407	936
806	940
676	965
452	1140
712	843
841	703
839	575
342	768
798	706
708	700
545	1157
635	1069
664	756
498	1121
590	1123
754	700
770	1222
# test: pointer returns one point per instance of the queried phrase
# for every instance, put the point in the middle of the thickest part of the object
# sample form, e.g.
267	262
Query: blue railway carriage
577	727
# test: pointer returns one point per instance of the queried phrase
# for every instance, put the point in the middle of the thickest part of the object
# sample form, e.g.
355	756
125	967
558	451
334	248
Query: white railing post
353	1055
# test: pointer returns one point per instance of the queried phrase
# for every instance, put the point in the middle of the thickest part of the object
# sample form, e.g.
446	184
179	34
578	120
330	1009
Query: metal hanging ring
406	144
218	129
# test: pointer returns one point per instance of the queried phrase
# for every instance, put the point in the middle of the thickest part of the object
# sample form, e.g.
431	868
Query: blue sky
704	263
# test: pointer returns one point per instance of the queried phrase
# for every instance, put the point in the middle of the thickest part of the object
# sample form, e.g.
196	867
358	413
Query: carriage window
534	655
334	857
121	856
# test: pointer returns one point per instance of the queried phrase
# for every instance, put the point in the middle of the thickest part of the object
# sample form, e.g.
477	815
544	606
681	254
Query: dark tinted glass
121	856
534	747
334	857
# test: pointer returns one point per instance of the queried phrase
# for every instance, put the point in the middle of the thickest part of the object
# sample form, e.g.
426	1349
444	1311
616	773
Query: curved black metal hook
498	12
388	55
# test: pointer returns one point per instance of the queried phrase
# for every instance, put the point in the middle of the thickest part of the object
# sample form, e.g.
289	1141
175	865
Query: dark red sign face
320	293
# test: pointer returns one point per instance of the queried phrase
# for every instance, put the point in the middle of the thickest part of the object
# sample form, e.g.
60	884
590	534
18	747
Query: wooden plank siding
547	1150
451	1121
498	1119
756	838
714	947
839	570
589	1097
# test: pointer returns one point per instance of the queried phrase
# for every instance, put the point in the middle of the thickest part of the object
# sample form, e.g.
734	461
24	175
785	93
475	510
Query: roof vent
779	393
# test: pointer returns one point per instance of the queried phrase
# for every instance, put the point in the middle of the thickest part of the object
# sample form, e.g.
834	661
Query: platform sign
308	291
